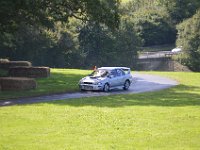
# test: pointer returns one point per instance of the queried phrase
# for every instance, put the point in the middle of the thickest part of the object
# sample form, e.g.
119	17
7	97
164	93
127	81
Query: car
107	78
177	50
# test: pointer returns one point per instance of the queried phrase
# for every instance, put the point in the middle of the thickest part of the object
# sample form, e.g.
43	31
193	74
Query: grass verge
61	80
168	119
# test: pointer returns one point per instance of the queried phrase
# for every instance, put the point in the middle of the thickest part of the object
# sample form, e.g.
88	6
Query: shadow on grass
178	96
56	83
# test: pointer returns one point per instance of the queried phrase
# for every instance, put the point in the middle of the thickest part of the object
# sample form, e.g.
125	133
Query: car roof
111	68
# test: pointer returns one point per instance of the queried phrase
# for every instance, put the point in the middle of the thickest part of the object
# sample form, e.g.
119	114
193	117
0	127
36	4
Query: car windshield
99	73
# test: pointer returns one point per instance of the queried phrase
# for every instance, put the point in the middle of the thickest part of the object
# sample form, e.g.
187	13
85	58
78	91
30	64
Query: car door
120	77
113	78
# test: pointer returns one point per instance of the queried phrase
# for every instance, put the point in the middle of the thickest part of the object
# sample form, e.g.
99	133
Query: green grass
168	119
61	80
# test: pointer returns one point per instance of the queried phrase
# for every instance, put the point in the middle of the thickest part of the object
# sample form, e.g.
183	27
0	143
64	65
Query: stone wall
160	64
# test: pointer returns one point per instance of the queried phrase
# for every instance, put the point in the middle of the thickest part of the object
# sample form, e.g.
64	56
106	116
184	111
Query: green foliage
79	34
47	12
40	46
44	31
180	10
189	38
132	6
166	119
3	73
153	26
103	47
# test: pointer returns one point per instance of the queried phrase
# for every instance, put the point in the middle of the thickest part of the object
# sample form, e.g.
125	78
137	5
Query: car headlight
98	83
81	81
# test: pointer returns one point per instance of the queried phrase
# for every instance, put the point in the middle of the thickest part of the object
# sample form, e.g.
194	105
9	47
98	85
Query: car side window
120	72
113	73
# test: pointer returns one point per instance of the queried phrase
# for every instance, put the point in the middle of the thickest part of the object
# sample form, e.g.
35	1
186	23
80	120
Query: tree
153	26
95	40
189	39
33	29
47	12
104	47
181	9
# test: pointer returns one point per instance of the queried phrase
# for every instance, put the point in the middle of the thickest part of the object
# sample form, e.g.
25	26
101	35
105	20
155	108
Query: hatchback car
107	78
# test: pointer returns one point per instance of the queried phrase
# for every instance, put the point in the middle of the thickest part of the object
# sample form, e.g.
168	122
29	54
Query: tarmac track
142	83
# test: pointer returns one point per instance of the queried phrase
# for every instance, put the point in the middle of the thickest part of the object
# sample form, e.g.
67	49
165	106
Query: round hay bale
17	84
30	72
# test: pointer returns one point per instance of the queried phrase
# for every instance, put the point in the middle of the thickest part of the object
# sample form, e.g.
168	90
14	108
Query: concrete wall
160	64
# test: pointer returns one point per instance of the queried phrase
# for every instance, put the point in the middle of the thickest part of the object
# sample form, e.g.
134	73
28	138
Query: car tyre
106	87
126	85
82	90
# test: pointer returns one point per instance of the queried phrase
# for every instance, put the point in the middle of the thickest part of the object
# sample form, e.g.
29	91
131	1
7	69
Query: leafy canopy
47	12
189	38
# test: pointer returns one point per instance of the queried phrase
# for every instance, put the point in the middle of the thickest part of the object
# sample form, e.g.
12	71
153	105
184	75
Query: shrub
10	83
3	73
153	27
189	39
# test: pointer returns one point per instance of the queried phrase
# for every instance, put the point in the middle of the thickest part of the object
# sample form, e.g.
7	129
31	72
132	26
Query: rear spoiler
126	70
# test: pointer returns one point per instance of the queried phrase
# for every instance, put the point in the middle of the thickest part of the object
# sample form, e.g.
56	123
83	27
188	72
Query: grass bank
61	80
168	119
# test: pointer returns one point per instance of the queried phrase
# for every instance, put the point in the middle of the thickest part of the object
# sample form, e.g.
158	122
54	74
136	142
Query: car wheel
106	87
82	90
126	85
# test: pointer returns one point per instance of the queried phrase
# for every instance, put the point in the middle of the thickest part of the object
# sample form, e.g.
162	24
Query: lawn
168	119
61	80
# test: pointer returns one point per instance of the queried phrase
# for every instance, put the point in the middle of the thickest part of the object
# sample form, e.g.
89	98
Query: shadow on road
177	96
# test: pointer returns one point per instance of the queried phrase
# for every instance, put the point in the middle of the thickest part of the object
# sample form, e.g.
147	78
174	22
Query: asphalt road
142	83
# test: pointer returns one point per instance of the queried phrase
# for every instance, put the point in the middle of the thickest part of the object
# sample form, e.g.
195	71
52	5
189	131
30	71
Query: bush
3	73
189	39
10	84
30	72
153	27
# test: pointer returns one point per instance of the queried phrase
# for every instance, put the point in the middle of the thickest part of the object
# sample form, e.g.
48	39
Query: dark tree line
82	33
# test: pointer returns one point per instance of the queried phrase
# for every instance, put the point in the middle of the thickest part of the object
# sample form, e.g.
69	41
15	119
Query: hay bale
4	65
17	84
30	72
20	63
9	64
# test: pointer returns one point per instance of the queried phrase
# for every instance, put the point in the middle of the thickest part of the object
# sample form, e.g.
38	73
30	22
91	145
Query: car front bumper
90	87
